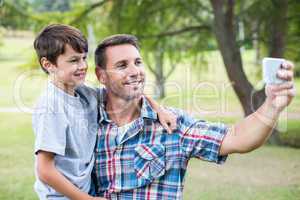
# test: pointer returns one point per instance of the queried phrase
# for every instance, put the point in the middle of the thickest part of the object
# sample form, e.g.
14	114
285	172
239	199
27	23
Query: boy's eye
73	61
138	63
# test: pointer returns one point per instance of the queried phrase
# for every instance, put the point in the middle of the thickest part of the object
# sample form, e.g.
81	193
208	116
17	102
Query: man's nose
133	70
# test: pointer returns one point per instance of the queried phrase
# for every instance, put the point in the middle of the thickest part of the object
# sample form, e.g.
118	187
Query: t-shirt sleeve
50	130
202	139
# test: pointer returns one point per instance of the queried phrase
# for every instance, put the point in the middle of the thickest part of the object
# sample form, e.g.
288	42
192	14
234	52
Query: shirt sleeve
202	139
50	130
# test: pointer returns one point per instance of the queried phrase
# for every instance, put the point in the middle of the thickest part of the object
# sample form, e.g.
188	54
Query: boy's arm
166	118
48	173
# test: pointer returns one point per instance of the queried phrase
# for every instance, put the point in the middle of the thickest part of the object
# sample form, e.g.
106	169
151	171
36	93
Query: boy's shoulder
89	90
87	94
48	102
85	91
90	96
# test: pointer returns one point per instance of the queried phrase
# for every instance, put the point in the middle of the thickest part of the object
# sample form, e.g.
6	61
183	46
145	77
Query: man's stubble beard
120	92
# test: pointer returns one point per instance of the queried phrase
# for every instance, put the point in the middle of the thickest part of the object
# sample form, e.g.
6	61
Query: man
135	159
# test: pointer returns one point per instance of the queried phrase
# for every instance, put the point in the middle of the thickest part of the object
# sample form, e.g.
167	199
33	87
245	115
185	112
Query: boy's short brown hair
51	42
114	40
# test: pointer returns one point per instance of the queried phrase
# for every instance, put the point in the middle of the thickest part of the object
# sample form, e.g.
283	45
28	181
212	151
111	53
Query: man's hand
280	95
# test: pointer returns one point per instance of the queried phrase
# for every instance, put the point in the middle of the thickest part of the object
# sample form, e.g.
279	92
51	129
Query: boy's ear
47	65
100	73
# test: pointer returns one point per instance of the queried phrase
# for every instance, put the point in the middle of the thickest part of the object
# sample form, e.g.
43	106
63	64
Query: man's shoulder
187	120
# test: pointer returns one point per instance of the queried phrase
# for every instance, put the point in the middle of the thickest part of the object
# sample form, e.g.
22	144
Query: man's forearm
251	132
254	130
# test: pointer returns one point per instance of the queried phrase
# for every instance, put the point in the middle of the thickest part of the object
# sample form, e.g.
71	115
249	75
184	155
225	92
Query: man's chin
135	96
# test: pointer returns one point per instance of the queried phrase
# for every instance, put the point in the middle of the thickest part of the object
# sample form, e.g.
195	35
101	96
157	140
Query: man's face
70	68
124	75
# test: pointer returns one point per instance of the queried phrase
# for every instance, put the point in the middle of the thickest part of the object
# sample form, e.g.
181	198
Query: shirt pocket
149	162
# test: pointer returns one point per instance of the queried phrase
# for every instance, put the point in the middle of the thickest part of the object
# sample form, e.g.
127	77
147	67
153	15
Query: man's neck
122	111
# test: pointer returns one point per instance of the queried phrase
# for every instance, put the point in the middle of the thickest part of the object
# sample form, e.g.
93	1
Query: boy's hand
167	119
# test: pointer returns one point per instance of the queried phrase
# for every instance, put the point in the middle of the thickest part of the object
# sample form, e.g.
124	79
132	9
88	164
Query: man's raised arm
254	130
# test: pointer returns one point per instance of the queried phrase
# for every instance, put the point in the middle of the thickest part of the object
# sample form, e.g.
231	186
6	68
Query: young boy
65	120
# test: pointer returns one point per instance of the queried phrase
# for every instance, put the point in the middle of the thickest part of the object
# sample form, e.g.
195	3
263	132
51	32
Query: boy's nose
82	65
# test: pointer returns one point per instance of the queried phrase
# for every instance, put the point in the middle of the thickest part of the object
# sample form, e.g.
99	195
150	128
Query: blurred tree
273	33
225	29
293	35
16	15
167	32
51	5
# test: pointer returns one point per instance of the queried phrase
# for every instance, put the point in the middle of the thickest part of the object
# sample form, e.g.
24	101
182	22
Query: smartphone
270	69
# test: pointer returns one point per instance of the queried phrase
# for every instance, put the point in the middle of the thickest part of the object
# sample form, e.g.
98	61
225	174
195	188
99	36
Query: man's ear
100	73
47	65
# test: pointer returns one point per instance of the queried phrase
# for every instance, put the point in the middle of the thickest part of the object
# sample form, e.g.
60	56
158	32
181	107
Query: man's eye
123	66
84	58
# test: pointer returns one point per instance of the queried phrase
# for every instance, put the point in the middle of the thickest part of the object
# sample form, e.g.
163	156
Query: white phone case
270	69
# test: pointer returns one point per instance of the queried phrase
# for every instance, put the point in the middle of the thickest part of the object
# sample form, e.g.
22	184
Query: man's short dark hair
114	40
51	42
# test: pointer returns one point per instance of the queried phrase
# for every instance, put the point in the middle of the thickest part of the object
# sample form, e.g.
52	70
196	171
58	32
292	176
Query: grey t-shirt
66	126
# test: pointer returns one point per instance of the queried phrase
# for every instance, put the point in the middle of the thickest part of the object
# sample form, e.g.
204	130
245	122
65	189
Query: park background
202	56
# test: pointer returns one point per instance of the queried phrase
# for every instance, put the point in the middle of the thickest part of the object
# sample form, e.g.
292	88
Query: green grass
267	173
16	155
16	48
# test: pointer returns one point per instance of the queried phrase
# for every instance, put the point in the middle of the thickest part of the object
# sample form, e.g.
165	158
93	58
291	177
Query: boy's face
70	68
124	74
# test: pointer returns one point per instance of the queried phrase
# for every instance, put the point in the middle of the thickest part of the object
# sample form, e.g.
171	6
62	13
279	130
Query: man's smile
134	82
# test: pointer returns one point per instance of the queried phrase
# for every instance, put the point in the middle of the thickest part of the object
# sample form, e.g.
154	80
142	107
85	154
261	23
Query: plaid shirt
149	163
